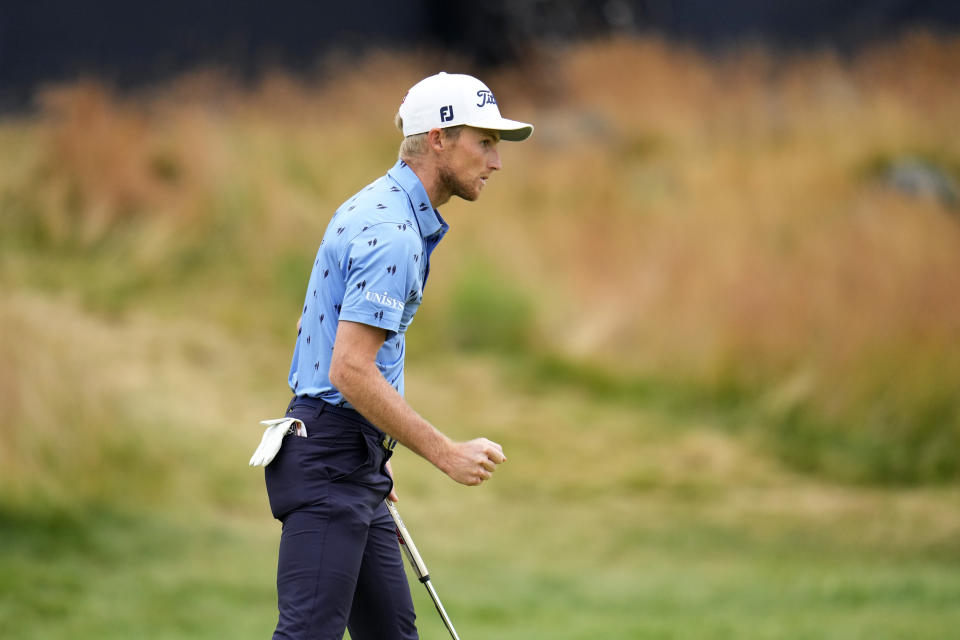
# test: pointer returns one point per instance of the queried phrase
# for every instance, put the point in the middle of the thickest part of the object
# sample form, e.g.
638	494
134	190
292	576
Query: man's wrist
442	452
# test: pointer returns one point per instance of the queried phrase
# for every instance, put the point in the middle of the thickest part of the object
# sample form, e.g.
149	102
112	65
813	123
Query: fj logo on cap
446	113
486	97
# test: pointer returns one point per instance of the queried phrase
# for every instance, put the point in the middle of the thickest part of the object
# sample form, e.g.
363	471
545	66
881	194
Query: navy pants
339	564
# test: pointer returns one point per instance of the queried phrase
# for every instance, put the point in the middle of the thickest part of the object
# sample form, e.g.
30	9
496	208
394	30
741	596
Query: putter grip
407	542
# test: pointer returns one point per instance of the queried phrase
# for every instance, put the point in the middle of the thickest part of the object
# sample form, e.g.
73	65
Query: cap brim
512	130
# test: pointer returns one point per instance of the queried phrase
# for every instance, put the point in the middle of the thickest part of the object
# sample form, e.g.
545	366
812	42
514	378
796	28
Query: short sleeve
377	266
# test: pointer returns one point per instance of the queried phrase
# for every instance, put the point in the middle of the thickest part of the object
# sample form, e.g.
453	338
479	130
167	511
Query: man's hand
472	462
393	492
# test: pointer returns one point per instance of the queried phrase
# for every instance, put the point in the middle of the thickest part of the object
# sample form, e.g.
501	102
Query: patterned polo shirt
371	268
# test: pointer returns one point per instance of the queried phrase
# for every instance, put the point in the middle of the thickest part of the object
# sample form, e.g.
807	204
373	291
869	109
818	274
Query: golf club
406	542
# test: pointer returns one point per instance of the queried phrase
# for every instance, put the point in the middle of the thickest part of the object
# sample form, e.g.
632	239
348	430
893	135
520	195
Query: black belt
387	442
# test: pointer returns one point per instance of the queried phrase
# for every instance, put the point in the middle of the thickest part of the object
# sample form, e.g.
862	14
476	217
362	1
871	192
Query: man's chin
469	196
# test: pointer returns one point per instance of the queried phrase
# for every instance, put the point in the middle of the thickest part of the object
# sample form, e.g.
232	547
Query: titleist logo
486	97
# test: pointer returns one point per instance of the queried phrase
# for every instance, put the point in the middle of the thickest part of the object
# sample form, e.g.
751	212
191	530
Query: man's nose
494	162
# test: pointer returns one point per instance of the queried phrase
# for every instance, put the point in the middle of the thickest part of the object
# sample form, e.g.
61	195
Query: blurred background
711	309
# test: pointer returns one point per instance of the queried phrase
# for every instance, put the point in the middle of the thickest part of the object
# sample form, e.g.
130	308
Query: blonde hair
415	145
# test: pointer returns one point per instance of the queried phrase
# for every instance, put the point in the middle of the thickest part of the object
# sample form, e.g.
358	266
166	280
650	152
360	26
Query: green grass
611	517
626	509
99	573
531	566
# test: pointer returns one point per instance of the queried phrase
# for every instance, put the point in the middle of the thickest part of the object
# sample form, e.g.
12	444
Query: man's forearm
353	371
369	393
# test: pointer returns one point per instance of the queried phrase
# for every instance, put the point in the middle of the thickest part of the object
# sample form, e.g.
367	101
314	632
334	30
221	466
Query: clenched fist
472	462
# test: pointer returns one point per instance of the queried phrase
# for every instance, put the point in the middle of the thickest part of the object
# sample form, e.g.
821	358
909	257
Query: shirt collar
427	217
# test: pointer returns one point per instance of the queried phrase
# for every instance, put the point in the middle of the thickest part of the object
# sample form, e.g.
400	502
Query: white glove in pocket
273	438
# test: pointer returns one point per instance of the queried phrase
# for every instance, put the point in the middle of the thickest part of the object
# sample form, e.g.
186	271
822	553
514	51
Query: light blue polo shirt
371	268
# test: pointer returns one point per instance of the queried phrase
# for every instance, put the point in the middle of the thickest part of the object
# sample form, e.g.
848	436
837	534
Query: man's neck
426	170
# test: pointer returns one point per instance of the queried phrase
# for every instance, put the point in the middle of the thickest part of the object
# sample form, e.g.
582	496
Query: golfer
339	563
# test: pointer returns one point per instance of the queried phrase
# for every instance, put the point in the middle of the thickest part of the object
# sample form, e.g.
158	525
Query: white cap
453	99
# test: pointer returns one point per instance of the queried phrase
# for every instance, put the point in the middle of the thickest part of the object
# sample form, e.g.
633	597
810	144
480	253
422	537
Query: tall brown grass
718	220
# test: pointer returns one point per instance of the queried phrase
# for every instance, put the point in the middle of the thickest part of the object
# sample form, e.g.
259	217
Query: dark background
129	43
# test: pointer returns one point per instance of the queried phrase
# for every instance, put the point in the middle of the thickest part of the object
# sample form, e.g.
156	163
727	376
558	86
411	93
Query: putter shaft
416	561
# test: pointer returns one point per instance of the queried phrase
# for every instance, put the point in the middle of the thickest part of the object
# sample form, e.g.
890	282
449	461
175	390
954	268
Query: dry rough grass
718	221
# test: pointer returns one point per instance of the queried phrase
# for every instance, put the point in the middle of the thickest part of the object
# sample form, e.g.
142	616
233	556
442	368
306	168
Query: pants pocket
287	480
338	446
344	460
337	449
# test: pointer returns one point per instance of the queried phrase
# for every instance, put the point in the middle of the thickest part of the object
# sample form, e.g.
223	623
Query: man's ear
436	140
